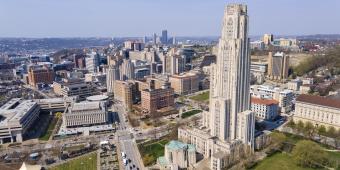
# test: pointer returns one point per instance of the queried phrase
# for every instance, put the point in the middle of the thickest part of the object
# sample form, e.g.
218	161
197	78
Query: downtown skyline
89	18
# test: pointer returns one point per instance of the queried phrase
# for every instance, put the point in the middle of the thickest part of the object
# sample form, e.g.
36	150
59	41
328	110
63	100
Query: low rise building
305	89
74	87
184	84
265	109
285	97
16	117
85	114
55	104
317	110
177	155
294	85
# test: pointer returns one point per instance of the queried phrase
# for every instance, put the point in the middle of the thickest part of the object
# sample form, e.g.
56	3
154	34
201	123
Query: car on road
125	162
124	155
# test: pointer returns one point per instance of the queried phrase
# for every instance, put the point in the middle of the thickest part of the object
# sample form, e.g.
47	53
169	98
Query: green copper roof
177	145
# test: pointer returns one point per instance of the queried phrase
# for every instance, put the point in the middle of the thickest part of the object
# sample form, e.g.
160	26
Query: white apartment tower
230	79
111	76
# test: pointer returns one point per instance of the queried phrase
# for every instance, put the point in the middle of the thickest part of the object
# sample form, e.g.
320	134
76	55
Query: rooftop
263	101
318	100
83	106
177	145
15	109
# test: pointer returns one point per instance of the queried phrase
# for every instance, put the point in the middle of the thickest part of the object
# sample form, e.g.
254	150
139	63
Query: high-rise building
112	75
92	62
154	39
278	65
268	38
124	92
127	70
230	124
40	74
164	36
231	75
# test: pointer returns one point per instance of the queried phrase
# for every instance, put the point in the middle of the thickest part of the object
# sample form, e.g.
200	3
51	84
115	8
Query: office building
283	96
92	62
124	91
317	110
155	99
134	45
127	70
257	45
265	109
278	65
40	74
230	124
55	104
184	84
154	39
259	71
74	87
177	155
294	85
164	37
268	39
112	75
17	116
85	114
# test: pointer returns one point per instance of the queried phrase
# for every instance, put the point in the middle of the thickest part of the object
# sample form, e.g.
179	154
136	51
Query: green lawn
278	161
190	113
49	130
201	97
84	163
151	151
283	161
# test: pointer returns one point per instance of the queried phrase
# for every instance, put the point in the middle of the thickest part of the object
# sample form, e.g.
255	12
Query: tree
331	132
300	126
277	140
291	124
309	154
309	129
322	131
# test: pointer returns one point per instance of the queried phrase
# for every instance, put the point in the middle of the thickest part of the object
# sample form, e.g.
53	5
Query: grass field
201	97
283	161
151	151
278	161
190	113
84	163
49	130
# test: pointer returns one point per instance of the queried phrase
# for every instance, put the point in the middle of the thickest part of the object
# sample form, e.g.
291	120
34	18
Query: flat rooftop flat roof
85	106
15	109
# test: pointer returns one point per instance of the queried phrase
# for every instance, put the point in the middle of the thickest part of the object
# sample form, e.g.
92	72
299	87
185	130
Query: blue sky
107	18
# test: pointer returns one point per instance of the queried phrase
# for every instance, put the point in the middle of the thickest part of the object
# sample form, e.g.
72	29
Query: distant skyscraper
174	41
154	38
164	37
145	39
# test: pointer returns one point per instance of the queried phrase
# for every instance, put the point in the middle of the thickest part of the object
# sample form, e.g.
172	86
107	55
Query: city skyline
90	18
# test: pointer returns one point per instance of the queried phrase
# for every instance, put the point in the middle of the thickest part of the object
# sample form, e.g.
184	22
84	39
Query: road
126	140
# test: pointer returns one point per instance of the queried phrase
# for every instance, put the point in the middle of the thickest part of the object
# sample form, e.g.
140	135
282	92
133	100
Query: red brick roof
318	100
263	101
